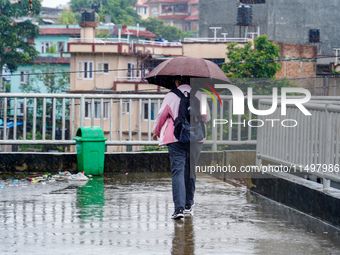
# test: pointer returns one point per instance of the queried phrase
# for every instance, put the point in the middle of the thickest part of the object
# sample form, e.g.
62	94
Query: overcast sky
53	3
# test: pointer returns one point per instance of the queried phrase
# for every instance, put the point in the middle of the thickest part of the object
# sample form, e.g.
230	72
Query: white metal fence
217	39
127	119
123	40
312	146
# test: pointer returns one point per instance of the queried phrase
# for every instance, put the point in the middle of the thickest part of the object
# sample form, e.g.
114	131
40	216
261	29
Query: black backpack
189	125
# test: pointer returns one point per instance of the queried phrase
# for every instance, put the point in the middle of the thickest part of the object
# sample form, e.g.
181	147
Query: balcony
129	79
123	45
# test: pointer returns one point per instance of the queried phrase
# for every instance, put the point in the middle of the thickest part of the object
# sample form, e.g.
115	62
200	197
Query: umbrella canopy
190	67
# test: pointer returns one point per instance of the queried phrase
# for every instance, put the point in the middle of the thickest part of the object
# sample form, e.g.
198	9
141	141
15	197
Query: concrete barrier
301	194
11	162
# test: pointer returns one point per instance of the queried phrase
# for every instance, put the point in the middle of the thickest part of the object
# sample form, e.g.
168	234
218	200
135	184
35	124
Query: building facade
117	65
290	21
180	13
52	47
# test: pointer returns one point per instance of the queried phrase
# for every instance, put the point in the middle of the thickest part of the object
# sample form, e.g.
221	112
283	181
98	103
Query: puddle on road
130	214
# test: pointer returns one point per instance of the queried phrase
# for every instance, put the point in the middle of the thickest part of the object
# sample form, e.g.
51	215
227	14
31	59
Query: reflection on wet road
130	214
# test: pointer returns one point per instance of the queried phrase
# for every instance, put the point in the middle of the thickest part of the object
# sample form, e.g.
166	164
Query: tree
253	67
54	78
188	34
161	30
68	17
15	49
257	62
121	11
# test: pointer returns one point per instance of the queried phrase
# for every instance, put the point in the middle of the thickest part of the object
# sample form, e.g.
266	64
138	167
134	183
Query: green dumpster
90	143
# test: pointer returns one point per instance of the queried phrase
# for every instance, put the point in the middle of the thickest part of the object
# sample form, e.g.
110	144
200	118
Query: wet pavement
130	214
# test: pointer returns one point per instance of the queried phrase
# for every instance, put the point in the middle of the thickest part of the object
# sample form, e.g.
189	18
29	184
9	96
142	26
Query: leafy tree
121	11
188	34
54	78
14	48
253	67
257	62
161	30
170	33
68	17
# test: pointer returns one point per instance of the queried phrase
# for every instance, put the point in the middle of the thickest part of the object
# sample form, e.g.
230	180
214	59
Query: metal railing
123	40
156	43
219	39
131	79
127	119
99	40
312	146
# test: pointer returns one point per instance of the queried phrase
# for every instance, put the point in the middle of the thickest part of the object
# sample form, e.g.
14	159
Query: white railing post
328	143
82	111
214	130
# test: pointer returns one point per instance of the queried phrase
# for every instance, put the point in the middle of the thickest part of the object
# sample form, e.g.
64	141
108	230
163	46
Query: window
154	111
88	109
24	77
131	71
217	61
103	68
154	12
142	10
167	8
144	71
181	8
21	109
61	47
85	69
126	107
45	45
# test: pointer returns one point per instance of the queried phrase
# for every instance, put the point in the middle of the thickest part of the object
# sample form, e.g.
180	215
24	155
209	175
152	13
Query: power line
275	60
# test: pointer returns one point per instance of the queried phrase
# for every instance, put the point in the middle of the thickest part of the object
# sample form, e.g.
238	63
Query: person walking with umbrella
183	155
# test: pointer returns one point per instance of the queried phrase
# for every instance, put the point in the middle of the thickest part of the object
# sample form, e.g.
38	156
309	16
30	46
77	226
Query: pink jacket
164	124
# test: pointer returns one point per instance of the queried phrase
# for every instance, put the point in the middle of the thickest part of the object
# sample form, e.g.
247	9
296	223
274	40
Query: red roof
173	17
193	2
146	34
194	17
59	31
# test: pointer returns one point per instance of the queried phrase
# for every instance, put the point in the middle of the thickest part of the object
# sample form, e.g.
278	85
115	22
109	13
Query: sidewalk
131	214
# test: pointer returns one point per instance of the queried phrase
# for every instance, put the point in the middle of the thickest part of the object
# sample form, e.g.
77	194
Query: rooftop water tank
88	16
244	15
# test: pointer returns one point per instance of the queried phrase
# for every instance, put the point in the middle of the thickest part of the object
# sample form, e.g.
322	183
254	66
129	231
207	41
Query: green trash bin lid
90	134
